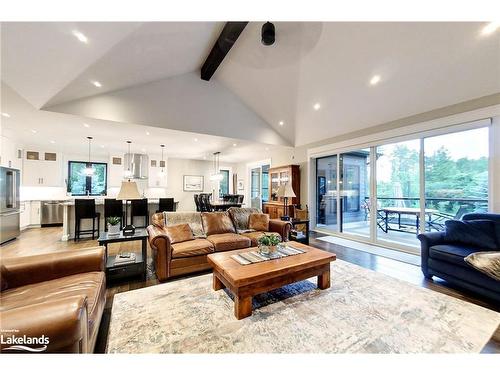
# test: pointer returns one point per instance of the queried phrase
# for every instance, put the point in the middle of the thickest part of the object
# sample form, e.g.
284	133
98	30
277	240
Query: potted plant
268	243
113	225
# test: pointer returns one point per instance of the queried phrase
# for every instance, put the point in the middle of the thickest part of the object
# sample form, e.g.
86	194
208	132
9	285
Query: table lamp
128	191
285	191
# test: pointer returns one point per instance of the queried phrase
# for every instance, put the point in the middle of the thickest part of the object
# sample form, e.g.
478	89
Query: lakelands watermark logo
22	342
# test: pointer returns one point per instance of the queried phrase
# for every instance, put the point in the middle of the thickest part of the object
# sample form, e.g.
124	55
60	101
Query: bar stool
139	207
166	204
85	209
113	208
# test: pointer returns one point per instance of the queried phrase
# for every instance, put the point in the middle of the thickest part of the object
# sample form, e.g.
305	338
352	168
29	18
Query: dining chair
166	204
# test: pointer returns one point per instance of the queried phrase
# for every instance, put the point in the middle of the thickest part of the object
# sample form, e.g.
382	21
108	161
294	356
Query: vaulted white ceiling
422	66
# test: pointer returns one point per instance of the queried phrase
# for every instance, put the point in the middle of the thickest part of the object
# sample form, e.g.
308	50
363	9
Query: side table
122	271
305	238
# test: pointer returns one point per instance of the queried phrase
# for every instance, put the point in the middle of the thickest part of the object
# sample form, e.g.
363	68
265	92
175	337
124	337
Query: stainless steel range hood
138	164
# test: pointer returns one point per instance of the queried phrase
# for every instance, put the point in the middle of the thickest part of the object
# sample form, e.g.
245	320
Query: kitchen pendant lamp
128	172
216	175
162	163
89	171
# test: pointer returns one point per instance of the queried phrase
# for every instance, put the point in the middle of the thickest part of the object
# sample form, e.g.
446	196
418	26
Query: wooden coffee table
246	281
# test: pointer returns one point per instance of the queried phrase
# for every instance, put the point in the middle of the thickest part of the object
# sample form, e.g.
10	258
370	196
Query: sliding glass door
398	192
354	200
456	176
388	193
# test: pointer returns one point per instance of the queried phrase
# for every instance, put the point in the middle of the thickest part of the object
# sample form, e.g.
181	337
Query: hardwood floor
43	240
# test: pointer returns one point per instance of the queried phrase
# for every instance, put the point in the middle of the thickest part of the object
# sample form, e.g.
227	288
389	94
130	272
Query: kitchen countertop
100	201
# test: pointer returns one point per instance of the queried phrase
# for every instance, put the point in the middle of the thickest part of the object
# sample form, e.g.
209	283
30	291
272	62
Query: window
80	184
224	184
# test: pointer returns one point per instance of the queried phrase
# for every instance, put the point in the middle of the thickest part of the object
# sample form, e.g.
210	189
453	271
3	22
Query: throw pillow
259	222
478	233
179	233
217	223
487	262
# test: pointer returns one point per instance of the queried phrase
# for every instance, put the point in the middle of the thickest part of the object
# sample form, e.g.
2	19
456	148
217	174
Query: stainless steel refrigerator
9	204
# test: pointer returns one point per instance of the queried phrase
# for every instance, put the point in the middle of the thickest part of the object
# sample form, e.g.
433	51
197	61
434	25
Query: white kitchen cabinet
9	154
25	216
156	178
42	172
36	212
115	171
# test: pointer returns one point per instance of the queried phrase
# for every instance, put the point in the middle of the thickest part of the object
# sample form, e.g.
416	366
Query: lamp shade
128	191
285	191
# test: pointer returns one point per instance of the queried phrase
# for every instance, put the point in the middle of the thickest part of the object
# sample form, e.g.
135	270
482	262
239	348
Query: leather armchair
59	295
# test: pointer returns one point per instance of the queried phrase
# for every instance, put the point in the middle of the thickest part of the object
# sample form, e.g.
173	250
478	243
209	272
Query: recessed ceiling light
86	125
102	146
196	139
316	106
267	148
52	142
282	123
204	157
80	36
5	114
148	133
374	80
143	149
33	131
234	144
97	83
490	28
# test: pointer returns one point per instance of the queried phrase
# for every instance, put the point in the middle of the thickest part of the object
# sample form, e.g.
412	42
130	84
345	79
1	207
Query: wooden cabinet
44	171
289	174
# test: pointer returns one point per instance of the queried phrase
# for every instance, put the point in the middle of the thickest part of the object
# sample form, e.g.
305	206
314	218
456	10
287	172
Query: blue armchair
446	260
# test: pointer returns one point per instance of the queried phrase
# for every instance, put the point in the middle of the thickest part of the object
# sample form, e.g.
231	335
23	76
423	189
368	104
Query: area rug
363	312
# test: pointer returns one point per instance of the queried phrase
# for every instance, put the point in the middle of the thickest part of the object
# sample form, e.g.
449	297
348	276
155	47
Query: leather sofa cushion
451	253
90	284
191	218
217	223
229	241
254	236
240	217
191	248
258	222
179	233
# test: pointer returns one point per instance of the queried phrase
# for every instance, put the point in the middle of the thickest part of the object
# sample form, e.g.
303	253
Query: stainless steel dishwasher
52	213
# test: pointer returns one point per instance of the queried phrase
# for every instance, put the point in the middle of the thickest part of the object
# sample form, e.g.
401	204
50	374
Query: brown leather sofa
59	295
212	232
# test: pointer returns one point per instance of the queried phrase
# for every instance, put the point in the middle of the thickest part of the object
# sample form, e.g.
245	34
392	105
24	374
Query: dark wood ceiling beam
226	40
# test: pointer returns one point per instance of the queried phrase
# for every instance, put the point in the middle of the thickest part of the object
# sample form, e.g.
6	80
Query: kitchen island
69	216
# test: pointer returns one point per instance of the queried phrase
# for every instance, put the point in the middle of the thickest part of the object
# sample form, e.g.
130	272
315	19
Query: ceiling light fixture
5	114
128	172
162	162
316	106
374	80
234	145
97	83
267	148
102	146
216	176
148	133
282	123
490	28
86	125
196	139
52	142
80	36
89	171
33	131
